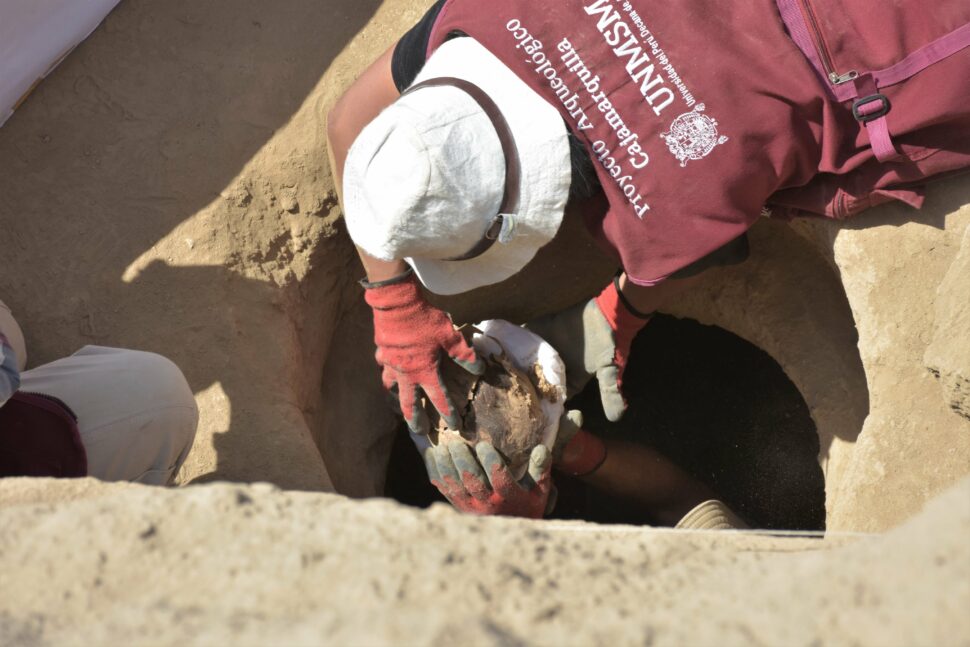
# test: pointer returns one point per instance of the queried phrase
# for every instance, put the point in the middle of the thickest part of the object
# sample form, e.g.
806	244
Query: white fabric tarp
36	35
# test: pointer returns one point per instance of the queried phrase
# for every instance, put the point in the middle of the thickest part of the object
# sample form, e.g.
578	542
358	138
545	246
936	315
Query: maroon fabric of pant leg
39	437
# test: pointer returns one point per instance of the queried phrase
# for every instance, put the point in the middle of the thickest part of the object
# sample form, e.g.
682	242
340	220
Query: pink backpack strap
871	107
925	56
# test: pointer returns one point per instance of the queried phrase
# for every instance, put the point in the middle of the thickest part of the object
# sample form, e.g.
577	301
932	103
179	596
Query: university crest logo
692	135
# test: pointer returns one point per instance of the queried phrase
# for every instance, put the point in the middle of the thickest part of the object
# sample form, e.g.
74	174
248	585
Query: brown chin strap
510	199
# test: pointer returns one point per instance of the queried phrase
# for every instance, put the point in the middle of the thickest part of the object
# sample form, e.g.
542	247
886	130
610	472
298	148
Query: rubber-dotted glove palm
594	338
570	424
481	483
411	335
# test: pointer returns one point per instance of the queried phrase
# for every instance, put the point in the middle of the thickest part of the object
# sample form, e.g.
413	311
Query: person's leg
10	330
711	515
136	414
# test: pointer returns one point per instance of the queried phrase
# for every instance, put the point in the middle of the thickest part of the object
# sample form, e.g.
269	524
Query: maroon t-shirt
410	55
699	113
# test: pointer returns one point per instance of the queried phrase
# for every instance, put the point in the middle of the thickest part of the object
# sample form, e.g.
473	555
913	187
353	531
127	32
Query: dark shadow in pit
715	404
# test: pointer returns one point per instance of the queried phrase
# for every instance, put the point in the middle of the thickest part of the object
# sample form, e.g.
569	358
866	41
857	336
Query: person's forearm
364	100
373	91
648	299
649	480
379	270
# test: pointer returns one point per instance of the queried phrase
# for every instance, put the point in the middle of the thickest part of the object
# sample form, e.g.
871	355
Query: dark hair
584	183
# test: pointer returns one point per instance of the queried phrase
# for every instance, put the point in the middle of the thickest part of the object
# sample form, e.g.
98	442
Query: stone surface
948	355
231	564
901	271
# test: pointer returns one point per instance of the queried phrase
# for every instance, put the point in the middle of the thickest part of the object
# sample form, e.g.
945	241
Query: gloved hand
594	338
9	374
484	485
577	452
410	335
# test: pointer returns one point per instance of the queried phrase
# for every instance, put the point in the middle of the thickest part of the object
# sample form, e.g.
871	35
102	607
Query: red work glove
484	485
625	325
410	335
594	338
577	452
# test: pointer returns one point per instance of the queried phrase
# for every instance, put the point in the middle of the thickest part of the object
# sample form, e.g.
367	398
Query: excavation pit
718	406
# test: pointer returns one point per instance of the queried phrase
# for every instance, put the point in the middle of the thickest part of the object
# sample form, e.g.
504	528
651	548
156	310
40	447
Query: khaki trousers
136	413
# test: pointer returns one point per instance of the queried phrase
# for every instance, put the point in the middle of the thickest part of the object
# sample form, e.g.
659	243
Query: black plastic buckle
882	112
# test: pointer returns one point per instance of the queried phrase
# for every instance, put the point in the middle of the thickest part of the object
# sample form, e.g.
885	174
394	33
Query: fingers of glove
472	475
569	424
464	355
451	485
539	462
389	378
475	368
613	403
431	465
414	413
450	488
598	337
434	388
552	500
419	423
498	473
572	419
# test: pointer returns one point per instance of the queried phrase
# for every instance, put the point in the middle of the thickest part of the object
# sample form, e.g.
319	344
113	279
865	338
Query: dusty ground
167	189
225	564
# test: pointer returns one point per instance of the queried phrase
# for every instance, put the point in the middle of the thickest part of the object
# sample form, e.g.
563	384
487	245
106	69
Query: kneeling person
110	413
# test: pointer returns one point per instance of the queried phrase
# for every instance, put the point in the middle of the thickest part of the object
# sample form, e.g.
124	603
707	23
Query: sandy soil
224	564
167	189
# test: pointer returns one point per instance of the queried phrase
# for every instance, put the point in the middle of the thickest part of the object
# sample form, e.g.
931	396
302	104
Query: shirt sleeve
733	253
411	51
9	375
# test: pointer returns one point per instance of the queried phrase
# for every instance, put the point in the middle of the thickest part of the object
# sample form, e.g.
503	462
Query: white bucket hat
426	180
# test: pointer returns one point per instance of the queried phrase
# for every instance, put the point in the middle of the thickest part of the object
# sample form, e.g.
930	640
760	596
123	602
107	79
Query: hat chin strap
513	171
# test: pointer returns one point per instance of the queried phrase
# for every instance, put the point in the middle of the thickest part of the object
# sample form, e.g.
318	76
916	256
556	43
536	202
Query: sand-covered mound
227	564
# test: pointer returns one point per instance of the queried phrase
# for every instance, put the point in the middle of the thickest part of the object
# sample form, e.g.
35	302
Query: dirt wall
167	188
